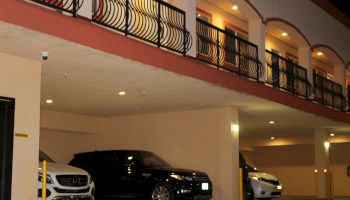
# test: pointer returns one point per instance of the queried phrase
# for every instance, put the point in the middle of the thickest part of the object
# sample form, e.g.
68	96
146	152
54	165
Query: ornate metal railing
227	51
153	21
284	74
70	6
328	92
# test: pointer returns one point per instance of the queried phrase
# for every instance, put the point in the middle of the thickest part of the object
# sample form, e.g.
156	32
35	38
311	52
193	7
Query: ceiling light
121	93
198	15
327	145
315	170
272	122
284	34
319	53
49	101
272	138
332	134
234	127
234	7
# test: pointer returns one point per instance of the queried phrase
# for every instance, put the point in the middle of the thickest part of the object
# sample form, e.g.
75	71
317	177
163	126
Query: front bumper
193	190
57	192
265	190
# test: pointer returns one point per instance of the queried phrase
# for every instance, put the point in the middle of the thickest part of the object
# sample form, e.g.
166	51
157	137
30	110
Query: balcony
286	75
227	51
164	25
328	93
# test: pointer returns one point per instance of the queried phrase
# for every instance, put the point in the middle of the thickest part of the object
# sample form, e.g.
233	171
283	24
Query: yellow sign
23	135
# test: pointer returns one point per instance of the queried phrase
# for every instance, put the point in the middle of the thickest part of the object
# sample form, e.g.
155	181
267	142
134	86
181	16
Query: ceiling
86	81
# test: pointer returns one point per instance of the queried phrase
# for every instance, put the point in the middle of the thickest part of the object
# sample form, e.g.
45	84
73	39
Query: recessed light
198	15
121	93
271	122
272	138
284	34
332	134
234	7
49	101
319	53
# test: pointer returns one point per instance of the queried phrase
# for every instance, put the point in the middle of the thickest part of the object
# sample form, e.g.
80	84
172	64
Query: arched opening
287	57
329	76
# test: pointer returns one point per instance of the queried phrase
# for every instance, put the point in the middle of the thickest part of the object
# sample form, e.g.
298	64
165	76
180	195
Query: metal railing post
257	65
74	8
217	49
127	17
184	35
159	26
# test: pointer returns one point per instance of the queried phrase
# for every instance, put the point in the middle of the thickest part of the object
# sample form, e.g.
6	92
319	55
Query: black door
7	108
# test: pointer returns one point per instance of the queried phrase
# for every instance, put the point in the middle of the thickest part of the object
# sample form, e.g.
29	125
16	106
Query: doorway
7	109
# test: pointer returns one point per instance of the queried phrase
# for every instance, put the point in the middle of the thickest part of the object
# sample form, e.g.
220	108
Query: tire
251	194
161	192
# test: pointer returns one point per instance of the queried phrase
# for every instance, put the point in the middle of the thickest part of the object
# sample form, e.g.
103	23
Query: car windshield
252	169
43	156
149	159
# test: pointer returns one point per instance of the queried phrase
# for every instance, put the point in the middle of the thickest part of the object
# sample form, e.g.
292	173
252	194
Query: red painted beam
83	32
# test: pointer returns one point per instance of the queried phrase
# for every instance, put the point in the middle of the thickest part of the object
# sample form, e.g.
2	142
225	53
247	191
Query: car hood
54	168
263	175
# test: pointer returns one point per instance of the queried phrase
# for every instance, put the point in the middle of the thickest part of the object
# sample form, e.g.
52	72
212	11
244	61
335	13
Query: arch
293	31
333	55
249	10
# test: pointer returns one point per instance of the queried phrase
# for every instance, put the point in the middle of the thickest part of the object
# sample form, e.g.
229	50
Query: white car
263	185
65	182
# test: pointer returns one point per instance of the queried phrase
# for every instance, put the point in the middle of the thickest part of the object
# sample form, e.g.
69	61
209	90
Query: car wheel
250	195
161	192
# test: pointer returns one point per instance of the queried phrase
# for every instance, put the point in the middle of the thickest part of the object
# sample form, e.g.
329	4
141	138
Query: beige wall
274	43
189	139
20	78
294	166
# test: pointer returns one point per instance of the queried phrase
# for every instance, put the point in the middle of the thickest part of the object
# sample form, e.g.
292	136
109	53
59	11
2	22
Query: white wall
189	139
20	78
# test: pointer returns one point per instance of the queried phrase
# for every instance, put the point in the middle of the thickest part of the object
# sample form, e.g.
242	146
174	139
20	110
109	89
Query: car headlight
181	177
90	179
48	178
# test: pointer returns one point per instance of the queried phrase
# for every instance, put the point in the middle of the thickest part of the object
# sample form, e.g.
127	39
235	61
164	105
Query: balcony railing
328	92
70	6
348	97
227	51
284	74
153	21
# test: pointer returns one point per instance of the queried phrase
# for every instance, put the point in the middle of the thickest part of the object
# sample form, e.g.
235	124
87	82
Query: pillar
321	162
190	8
257	36
229	153
305	60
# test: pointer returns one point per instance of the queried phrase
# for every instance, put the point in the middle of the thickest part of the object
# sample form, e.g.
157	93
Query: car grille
273	182
72	180
72	198
275	193
59	190
201	178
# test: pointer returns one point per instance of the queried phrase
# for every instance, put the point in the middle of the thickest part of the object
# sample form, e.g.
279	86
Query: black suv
141	174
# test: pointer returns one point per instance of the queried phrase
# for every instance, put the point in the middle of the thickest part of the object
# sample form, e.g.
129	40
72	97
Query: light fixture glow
49	101
325	170
319	53
271	122
315	170
234	7
332	134
122	93
234	127
272	138
198	15
284	34
327	145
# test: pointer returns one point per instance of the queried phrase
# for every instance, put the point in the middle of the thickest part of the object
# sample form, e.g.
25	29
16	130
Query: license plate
279	187
205	186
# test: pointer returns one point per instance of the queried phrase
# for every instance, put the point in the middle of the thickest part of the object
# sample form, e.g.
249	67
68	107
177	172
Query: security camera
44	55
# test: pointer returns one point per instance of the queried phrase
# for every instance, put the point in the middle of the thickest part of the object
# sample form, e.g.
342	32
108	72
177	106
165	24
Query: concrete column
190	8
229	153
257	36
340	77
321	162
305	60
